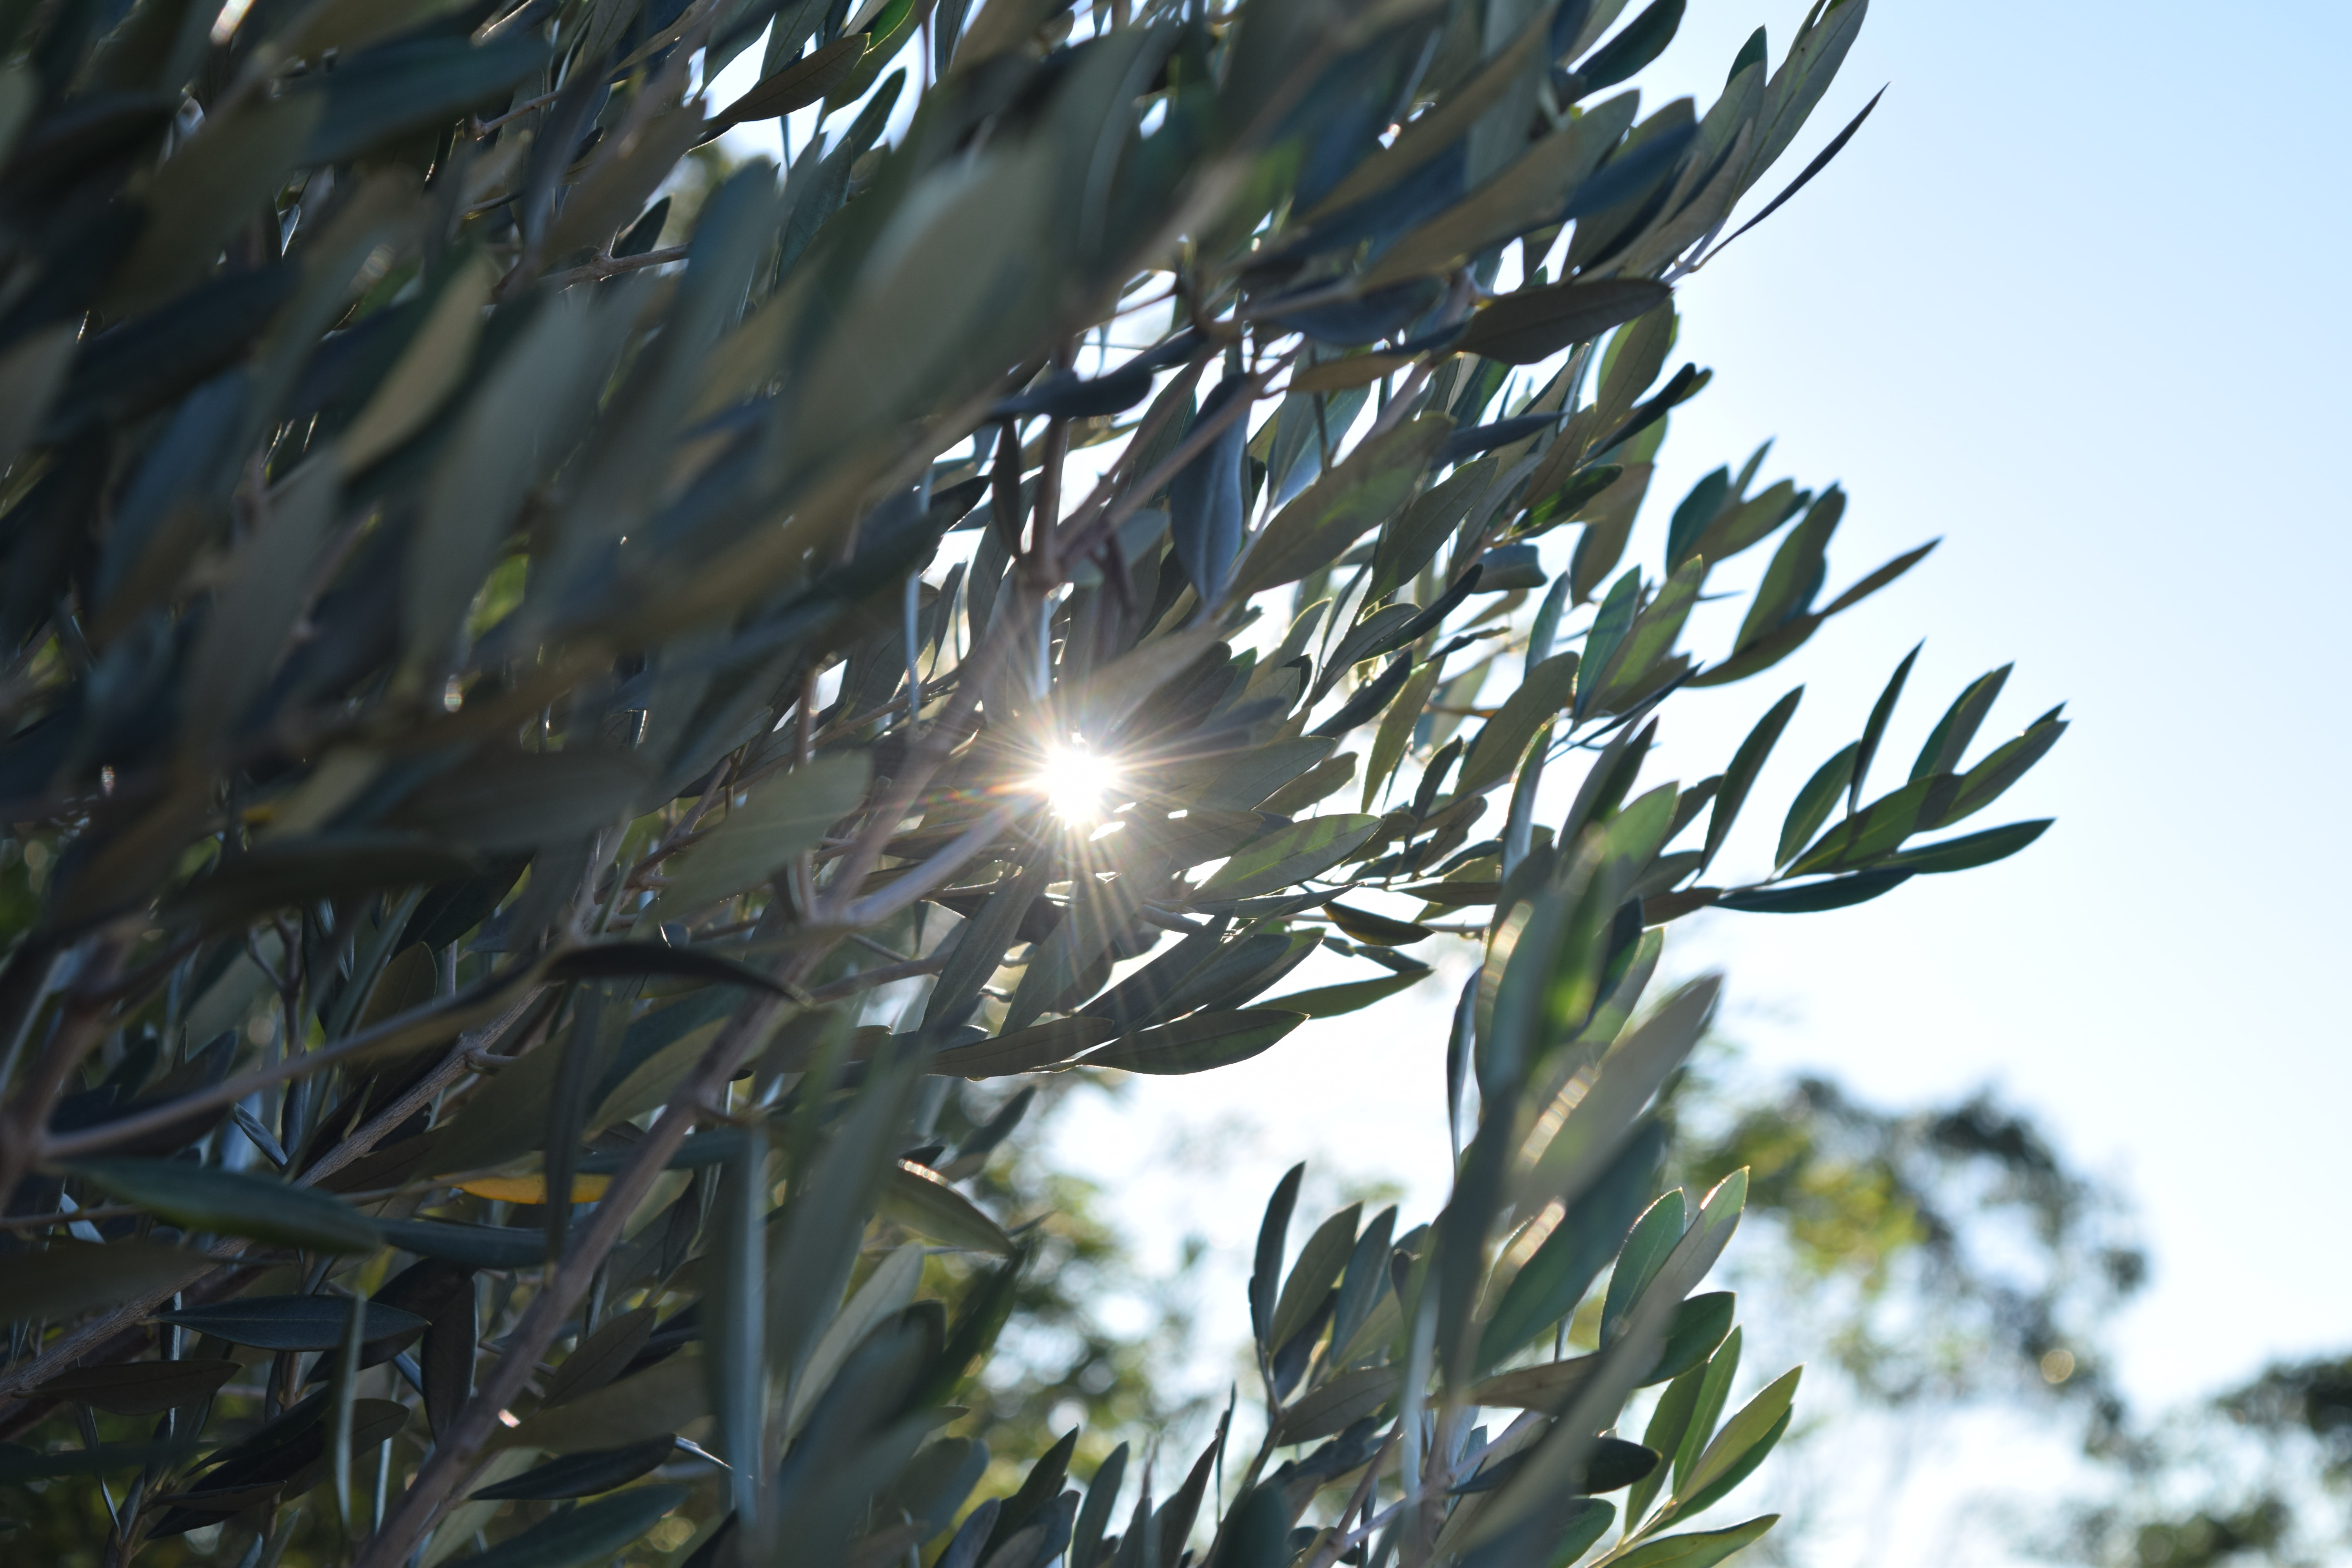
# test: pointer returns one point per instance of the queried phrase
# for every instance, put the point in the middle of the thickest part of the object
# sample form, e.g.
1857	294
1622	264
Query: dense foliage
514	856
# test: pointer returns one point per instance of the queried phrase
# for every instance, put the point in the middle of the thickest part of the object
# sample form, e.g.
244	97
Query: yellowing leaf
533	1189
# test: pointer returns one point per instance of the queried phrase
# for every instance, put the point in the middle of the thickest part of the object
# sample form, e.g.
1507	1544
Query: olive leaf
235	1204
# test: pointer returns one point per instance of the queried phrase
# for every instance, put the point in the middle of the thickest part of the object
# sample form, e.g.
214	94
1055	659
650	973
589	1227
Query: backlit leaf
1289	855
1198	1044
1969	850
916	1198
783	816
1347	996
1699	1549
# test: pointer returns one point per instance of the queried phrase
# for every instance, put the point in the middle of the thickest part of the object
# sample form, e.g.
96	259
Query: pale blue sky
2075	300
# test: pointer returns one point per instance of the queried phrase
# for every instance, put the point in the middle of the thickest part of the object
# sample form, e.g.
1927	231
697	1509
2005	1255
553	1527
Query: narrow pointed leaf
1699	1549
204	1199
1813	898
1533	324
1970	850
1740	776
1198	1044
916	1198
292	1322
598	1359
1289	855
582	1475
499	1247
1881	712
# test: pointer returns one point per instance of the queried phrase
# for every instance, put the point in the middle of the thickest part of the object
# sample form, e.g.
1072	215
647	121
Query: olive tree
547	739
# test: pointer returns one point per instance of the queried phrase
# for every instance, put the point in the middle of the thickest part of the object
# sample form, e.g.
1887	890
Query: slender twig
1434	1481
1114	509
686	831
934	688
601	266
665	91
475	1006
923	759
1335	1542
884	948
484	127
458	1450
932	874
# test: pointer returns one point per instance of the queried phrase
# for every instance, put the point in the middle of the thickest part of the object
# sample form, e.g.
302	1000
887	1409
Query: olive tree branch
456	1452
73	1345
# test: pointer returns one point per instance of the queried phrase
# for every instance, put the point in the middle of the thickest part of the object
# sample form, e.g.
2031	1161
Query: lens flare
1077	784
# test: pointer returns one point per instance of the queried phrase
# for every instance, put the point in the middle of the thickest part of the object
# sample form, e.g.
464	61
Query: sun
1077	784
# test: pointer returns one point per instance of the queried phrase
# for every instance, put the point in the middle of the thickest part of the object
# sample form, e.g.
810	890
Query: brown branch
1336	1541
456	1451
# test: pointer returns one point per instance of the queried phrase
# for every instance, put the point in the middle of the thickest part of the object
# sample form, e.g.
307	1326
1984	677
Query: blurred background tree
1932	1260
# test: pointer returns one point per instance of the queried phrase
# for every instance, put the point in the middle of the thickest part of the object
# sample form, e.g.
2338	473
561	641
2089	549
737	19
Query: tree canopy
547	737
